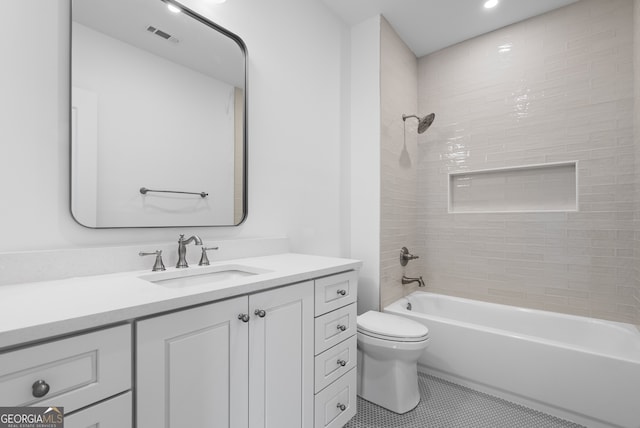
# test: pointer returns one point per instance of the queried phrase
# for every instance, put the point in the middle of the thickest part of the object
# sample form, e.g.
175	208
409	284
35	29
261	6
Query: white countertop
38	310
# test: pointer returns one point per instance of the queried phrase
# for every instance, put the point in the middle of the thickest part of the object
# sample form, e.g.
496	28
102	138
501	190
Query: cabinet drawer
331	401
334	362
335	291
79	370
334	327
113	413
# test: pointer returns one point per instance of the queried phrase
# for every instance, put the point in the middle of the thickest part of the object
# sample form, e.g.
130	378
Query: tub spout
406	280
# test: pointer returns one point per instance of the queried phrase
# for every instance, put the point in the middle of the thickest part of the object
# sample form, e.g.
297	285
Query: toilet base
392	384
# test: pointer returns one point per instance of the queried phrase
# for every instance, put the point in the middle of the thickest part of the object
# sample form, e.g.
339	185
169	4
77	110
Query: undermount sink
191	277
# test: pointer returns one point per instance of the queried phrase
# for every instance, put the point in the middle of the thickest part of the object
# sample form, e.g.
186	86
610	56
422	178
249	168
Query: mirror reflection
158	108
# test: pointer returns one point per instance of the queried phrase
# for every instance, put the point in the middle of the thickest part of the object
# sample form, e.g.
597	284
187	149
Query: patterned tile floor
447	405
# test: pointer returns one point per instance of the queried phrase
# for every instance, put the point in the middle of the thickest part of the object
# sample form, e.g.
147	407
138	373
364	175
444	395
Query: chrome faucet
406	280
182	249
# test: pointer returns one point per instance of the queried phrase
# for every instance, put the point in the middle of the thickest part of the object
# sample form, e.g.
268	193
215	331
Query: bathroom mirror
158	117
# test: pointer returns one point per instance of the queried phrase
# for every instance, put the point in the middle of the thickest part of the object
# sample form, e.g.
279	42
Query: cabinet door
192	368
281	358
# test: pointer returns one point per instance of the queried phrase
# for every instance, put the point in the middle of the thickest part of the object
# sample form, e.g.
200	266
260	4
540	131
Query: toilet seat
391	327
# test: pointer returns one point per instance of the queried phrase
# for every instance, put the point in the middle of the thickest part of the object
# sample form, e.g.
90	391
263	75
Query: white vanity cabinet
73	373
191	367
259	351
281	357
113	413
335	349
243	362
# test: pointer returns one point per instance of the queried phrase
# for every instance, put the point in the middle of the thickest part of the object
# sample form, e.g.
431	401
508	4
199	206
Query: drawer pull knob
342	327
342	407
40	388
243	317
260	312
342	363
342	292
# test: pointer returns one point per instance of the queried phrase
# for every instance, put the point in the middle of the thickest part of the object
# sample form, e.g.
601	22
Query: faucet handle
158	265
406	256
204	260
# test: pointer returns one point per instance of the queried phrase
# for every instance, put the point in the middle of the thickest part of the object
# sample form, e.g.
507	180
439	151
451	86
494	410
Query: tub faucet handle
405	256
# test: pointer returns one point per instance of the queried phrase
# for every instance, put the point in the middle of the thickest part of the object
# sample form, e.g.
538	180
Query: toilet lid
391	327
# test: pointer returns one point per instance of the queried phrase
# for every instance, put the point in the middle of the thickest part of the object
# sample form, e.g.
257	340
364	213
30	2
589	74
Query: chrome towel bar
144	191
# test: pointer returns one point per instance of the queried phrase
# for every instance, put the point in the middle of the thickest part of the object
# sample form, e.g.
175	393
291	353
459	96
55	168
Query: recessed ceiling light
490	4
173	8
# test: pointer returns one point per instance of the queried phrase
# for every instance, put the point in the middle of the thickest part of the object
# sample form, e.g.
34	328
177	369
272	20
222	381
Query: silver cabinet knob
260	312
342	407
341	327
342	292
243	317
342	363
40	388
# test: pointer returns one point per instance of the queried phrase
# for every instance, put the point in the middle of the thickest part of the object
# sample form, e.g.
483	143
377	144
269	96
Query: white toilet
388	350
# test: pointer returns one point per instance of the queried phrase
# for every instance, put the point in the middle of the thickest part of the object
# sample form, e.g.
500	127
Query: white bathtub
577	368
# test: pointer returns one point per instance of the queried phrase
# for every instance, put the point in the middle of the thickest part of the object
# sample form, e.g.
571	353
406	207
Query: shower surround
398	163
555	88
636	137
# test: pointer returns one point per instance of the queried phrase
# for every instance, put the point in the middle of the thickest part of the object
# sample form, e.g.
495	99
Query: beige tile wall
554	88
398	87
636	23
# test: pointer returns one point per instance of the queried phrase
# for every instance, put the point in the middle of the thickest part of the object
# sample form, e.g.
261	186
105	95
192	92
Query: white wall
296	52
365	159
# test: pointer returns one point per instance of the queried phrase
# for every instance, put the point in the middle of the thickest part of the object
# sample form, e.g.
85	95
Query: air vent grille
158	32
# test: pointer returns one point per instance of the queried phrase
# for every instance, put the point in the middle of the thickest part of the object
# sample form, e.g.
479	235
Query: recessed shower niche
532	188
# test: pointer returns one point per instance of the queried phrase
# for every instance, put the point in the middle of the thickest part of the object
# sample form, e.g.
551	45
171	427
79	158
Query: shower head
423	122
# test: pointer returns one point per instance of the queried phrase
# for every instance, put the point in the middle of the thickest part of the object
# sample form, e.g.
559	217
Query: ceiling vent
162	34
